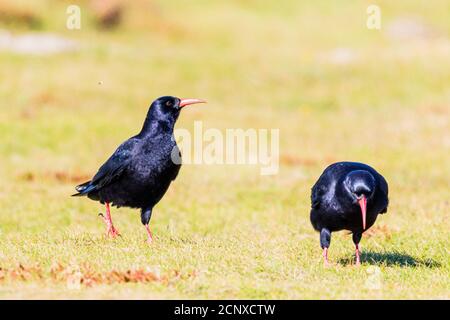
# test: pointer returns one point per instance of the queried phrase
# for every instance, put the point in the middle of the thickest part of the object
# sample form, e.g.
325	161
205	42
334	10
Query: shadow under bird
140	171
347	196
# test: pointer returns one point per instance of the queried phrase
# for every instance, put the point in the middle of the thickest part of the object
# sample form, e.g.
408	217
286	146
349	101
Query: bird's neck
342	193
154	127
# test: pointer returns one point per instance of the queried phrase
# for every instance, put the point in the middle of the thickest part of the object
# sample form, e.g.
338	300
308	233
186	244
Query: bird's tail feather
83	189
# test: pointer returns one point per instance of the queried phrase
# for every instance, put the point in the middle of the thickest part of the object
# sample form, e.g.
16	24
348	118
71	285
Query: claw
113	232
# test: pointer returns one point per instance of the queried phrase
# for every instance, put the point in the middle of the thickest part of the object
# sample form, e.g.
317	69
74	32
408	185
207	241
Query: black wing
385	189
326	179
318	191
111	169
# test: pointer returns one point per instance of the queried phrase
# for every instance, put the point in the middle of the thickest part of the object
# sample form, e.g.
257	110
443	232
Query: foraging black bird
140	171
347	196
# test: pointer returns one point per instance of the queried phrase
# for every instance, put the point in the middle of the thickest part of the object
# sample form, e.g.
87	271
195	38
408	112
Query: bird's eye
169	104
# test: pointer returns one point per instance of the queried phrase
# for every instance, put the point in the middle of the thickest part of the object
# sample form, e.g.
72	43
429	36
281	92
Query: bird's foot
111	231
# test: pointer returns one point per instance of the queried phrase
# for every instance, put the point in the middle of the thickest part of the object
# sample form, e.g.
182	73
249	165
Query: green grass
227	232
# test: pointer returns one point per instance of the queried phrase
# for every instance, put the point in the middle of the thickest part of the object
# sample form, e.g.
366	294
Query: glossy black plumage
140	171
335	196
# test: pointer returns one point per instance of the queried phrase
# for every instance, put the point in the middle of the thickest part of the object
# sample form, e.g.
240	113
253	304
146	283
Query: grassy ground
337	91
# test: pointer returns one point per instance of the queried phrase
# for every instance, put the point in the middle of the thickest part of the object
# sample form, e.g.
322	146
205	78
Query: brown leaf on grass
292	160
12	12
72	178
59	176
24	273
36	103
27	176
56	269
28	113
108	13
379	230
44	97
439	109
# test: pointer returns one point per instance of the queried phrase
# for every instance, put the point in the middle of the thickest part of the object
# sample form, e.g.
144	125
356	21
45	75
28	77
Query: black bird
347	196
140	171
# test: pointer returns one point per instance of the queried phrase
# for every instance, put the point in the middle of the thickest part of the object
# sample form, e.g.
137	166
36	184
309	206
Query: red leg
149	234
325	257
358	260
110	230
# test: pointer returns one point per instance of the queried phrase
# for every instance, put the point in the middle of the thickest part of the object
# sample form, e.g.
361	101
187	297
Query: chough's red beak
363	204
186	102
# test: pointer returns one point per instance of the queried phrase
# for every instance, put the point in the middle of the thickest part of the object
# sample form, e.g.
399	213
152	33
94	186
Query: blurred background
336	89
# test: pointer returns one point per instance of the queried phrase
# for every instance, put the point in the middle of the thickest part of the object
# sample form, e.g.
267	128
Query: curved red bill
186	102
363	204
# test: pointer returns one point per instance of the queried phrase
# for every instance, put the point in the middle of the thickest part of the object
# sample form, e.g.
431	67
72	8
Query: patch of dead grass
378	230
58	176
18	14
78	275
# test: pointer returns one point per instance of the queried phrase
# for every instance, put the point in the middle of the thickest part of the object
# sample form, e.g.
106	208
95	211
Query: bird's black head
164	112
360	185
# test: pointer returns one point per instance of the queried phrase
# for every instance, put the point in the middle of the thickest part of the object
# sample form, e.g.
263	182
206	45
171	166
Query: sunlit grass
235	233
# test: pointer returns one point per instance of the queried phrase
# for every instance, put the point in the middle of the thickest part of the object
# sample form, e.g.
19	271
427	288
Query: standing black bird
140	171
347	196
